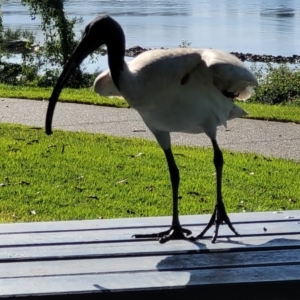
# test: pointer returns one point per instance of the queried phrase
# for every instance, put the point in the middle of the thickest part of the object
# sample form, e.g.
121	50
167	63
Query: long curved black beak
97	33
79	54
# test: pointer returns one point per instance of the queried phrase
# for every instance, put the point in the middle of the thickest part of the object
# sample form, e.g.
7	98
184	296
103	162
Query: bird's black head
102	30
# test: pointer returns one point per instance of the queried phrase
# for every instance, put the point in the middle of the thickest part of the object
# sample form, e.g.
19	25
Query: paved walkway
267	138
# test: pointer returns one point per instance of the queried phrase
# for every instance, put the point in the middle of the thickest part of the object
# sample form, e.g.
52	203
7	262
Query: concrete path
267	138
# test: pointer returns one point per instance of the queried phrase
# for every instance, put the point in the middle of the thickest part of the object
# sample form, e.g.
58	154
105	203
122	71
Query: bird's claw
174	233
218	218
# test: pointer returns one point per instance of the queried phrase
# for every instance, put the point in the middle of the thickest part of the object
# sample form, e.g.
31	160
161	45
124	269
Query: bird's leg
219	215
175	231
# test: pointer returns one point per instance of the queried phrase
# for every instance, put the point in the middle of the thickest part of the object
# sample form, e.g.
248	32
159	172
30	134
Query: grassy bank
282	113
84	95
87	176
285	113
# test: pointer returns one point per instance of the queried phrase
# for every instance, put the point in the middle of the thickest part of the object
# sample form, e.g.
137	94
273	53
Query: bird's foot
218	218
174	233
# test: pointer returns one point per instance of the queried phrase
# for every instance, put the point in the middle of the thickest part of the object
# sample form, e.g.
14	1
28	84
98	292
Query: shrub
277	85
9	72
77	80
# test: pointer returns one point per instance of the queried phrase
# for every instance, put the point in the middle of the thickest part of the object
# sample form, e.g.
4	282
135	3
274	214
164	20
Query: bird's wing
174	90
229	73
165	65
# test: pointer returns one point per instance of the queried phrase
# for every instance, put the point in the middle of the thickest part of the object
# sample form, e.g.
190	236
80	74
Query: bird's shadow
222	272
212	272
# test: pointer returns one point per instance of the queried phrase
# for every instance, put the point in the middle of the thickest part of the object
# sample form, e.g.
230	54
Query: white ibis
175	90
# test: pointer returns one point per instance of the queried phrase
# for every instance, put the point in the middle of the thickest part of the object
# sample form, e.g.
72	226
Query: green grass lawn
85	95
87	176
285	113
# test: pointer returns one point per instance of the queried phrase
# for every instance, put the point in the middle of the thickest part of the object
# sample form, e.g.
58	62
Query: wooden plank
195	220
83	258
145	280
146	248
89	236
150	264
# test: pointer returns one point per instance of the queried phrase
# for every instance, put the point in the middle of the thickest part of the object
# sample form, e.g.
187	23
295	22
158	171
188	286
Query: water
256	26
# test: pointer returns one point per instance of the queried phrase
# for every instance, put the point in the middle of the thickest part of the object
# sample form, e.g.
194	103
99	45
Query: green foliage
18	42
1	32
9	72
9	34
58	46
185	44
58	29
1	26
277	85
50	77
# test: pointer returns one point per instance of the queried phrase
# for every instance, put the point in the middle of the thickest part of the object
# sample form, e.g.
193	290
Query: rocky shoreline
21	46
294	59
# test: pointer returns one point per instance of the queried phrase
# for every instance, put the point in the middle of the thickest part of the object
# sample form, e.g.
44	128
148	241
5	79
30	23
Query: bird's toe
218	218
174	233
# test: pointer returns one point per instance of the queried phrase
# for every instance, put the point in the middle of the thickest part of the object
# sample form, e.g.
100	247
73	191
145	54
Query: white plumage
184	90
104	85
194	107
